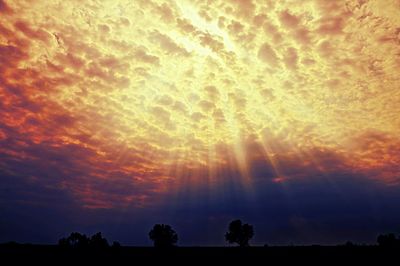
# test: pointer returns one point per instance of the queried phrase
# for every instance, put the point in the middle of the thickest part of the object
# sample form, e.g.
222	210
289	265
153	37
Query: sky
120	114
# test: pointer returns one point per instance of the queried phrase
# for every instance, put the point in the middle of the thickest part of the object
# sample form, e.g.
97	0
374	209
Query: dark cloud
324	202
4	8
321	198
10	56
31	33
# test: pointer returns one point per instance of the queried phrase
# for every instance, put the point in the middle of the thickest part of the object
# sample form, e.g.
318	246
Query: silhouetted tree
79	241
239	233
163	235
388	240
63	242
116	245
98	242
349	244
75	240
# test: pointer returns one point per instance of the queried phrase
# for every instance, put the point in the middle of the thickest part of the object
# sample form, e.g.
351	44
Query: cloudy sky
116	115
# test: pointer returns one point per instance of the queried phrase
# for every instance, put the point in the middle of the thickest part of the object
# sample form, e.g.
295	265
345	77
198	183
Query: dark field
316	255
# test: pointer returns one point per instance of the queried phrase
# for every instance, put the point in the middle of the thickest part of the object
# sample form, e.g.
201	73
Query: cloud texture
122	105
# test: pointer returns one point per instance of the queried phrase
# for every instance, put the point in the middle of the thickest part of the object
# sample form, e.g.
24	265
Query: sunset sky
119	114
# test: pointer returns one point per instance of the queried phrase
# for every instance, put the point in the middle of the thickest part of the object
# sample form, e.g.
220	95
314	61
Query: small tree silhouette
163	235
75	240
388	240
116	245
79	241
98	242
239	233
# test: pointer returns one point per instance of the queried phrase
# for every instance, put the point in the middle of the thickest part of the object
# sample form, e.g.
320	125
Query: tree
163	236
97	241
388	240
80	241
75	240
239	233
116	245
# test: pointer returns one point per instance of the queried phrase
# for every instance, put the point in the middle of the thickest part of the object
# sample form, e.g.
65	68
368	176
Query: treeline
164	235
81	241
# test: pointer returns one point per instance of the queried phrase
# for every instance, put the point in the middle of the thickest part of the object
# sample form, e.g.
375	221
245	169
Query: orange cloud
289	20
4	8
267	54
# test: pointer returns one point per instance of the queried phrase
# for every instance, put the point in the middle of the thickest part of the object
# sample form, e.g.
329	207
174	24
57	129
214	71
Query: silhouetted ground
296	255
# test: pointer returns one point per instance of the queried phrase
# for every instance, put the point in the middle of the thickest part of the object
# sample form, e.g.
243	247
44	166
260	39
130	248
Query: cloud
325	48
197	116
4	8
289	20
258	20
185	25
331	25
179	107
11	55
236	27
161	113
244	8
145	57
273	31
165	100
291	58
30	33
267	94
184	110
70	60
207	40
206	106
70	167
165	12
212	92
302	35
167	44
267	55
377	155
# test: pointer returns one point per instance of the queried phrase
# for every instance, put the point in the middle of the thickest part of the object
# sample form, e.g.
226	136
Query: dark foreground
314	255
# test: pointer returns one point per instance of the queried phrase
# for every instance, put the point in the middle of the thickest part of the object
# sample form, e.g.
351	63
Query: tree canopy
163	235
239	233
